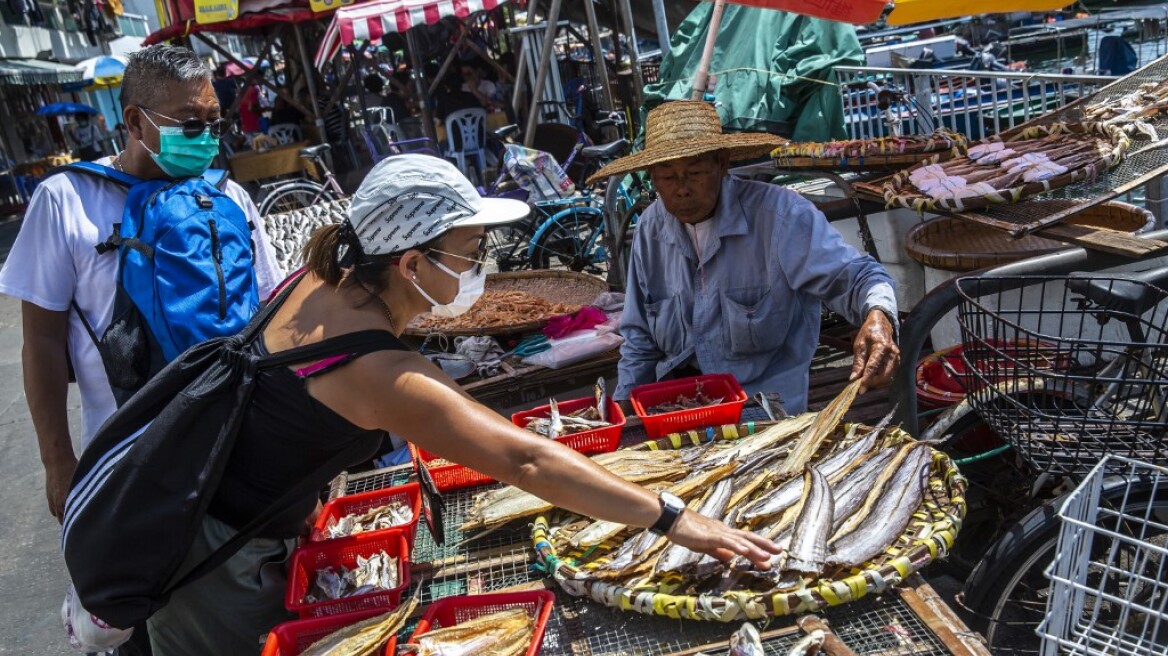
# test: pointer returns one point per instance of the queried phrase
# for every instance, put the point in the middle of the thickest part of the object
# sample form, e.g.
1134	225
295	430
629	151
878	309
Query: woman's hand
697	532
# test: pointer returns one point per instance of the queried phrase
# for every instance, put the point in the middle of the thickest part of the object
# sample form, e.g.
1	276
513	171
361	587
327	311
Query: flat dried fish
505	633
825	424
377	572
684	402
808	550
746	641
389	515
364	638
677	558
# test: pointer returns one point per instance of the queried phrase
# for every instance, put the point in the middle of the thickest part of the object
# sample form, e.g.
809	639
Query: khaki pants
229	611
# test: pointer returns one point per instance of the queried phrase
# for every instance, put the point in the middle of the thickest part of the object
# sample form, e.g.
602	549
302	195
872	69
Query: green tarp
773	70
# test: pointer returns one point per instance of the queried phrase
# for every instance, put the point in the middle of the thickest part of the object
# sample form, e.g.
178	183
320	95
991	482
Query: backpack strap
216	178
102	171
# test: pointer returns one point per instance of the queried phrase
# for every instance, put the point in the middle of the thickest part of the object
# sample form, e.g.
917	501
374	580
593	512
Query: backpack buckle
204	201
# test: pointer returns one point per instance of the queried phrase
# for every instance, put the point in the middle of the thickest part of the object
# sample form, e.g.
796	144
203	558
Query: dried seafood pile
836	497
1035	160
939	141
289	231
365	638
580	421
505	633
392	514
378	572
1131	111
699	400
497	308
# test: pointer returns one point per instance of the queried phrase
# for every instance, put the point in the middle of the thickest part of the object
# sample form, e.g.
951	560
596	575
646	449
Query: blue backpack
186	273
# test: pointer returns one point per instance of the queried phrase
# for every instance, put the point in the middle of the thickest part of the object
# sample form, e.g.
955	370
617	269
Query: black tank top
285	435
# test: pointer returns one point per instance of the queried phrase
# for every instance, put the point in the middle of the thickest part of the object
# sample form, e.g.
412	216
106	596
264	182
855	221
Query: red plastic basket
453	477
448	476
713	385
600	440
307	560
455	610
410	494
291	638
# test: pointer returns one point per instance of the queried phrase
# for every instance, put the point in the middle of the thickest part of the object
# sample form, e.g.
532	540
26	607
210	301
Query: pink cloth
583	319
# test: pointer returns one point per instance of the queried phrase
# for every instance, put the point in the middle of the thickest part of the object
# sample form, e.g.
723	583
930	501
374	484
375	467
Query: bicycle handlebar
944	298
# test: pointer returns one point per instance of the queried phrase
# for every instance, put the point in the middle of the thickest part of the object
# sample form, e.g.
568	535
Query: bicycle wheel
570	239
1007	593
505	246
294	196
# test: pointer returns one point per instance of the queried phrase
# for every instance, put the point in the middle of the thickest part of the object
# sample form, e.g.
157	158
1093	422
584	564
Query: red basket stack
450	611
292	638
309	559
601	440
723	386
409	494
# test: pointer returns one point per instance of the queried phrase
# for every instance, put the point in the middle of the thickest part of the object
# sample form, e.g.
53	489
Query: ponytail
322	254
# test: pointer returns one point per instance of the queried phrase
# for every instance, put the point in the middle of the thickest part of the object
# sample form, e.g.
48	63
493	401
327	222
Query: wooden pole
545	62
310	80
420	87
702	76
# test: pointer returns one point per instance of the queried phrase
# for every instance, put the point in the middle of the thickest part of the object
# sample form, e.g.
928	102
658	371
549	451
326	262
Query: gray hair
149	70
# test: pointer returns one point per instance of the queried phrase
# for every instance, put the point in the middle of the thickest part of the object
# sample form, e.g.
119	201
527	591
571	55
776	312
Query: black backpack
142	487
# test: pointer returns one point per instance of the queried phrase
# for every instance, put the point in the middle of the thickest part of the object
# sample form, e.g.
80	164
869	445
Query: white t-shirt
486	87
54	262
699	235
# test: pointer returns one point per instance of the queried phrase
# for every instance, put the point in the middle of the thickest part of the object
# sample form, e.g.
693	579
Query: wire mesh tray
1113	143
884	152
929	535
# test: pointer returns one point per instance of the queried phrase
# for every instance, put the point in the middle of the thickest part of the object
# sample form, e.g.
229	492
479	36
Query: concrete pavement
32	573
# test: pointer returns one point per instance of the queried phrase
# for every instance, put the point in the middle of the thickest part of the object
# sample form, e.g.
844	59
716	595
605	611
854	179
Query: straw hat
685	128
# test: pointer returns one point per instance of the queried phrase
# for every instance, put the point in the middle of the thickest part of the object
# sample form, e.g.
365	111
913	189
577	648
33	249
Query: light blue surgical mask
180	156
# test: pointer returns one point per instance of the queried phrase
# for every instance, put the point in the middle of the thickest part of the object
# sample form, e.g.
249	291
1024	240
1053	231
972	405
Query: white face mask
470	288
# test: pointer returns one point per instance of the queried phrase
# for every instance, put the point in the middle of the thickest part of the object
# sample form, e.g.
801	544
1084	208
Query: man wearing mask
173	122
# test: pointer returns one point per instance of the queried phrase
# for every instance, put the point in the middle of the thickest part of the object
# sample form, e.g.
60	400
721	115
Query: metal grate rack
579	627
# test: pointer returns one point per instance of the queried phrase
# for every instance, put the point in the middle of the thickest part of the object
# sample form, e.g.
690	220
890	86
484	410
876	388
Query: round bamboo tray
929	535
899	191
566	287
952	244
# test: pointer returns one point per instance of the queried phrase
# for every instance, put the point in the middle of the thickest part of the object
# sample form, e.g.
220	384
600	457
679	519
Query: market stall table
251	165
911	619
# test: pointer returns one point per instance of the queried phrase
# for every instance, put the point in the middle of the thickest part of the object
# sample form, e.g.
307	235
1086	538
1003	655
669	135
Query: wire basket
1109	577
1062	379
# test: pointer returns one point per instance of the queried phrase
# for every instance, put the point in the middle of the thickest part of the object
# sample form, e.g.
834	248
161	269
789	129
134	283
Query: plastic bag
86	632
575	348
538	173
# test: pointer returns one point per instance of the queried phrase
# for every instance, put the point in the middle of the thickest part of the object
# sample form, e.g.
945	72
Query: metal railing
974	102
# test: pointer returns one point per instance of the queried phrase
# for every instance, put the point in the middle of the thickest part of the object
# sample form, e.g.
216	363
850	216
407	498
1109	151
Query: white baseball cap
407	200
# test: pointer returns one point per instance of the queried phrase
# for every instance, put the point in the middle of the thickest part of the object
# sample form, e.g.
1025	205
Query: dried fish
808	550
677	558
809	645
559	425
886	512
364	638
825	424
505	633
746	642
389	515
683	402
377	572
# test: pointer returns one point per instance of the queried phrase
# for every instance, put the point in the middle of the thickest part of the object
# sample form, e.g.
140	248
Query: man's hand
58	476
876	354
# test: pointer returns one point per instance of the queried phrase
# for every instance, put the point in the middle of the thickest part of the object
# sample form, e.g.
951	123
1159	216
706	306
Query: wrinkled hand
58	477
700	533
876	353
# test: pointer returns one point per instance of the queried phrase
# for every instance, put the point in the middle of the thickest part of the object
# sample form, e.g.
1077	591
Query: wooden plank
1103	239
926	604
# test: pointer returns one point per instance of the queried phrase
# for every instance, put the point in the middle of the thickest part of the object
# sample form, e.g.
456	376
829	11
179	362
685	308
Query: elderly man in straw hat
729	275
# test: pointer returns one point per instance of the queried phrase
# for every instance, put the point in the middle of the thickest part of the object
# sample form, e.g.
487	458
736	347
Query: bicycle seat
1129	293
313	152
605	151
505	131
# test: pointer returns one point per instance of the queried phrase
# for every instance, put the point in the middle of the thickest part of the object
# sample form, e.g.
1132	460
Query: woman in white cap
413	242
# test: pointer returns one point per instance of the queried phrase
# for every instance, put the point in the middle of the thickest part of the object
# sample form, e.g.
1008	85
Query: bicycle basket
1109	576
1063	379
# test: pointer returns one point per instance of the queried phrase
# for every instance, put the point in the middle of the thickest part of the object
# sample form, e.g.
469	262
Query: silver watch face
672	502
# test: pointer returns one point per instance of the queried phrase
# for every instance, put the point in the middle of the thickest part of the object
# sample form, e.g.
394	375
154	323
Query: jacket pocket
666	325
753	321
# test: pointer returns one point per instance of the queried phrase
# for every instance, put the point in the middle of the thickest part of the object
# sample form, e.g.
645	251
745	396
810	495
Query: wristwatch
671	508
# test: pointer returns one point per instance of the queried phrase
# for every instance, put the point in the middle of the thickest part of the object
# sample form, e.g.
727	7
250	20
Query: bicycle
1084	387
301	193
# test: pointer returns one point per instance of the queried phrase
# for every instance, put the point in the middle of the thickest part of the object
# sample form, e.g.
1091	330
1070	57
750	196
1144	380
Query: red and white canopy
369	21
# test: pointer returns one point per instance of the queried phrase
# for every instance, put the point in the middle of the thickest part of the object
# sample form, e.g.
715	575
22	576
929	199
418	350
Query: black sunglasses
193	127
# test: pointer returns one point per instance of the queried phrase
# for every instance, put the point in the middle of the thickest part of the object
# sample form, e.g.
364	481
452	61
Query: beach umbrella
65	109
104	72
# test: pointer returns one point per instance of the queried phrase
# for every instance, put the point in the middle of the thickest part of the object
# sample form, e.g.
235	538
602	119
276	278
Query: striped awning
370	21
22	72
